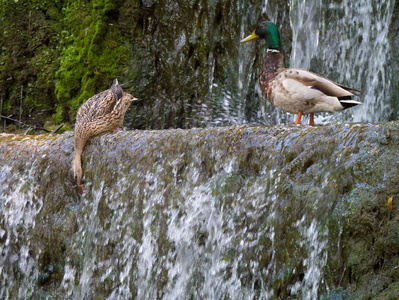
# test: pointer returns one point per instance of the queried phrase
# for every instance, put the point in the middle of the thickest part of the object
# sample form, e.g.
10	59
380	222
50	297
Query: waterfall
237	212
348	43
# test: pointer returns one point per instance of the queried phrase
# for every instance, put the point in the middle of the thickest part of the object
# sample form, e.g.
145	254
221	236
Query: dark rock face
394	59
181	57
233	212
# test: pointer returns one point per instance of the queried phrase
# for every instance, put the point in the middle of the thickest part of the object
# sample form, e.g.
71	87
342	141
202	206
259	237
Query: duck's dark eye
261	26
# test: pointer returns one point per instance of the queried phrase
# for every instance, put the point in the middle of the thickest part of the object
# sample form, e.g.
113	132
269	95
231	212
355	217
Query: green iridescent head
268	31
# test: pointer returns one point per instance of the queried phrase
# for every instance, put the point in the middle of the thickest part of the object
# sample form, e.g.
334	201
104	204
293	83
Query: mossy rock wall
183	59
180	57
231	212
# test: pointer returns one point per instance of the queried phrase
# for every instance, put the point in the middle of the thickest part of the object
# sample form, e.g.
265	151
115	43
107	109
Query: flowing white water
19	209
166	230
223	213
316	261
347	42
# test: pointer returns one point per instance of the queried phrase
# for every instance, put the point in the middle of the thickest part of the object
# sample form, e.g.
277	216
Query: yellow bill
250	37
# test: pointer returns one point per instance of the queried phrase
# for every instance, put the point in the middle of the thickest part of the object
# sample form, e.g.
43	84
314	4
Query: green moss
58	54
29	57
172	53
93	54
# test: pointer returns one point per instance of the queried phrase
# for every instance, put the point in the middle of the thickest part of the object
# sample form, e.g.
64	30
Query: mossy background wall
180	56
93	52
183	59
29	59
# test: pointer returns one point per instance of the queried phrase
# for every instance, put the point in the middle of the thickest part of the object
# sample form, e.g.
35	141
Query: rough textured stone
258	210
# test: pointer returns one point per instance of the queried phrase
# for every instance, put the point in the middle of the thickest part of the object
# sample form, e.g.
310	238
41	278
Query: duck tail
347	101
116	82
116	89
353	91
126	83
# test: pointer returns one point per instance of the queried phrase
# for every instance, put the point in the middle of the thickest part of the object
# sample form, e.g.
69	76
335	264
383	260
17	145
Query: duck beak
250	37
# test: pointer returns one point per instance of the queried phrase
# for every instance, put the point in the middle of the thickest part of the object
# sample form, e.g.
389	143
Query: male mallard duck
297	91
101	113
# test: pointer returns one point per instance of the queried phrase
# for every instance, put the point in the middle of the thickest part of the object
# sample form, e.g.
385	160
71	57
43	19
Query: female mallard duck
101	113
297	91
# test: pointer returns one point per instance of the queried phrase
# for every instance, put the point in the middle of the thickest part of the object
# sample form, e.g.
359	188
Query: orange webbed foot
311	120
298	119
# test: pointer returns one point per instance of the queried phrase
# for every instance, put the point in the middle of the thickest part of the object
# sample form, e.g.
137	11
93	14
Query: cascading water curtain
346	41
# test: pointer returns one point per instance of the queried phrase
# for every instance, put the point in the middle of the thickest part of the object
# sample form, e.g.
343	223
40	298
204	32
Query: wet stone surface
225	212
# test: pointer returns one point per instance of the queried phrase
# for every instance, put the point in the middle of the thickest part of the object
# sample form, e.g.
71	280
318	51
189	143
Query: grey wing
326	86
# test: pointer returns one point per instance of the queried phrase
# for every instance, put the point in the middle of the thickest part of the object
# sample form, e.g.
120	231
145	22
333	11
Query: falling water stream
348	42
235	212
345	41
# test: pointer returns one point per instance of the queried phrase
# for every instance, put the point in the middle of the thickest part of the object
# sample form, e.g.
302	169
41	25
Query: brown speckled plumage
272	64
101	113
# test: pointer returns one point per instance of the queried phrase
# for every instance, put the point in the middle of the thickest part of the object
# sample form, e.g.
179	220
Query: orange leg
311	120
298	120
